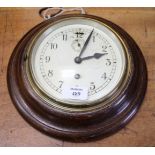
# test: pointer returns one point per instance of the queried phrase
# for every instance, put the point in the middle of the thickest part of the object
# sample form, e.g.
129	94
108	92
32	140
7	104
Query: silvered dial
77	57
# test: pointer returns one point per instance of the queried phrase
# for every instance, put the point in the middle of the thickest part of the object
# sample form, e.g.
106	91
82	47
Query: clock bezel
106	100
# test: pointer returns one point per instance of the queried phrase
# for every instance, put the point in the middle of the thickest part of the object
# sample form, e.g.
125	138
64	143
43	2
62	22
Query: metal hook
45	12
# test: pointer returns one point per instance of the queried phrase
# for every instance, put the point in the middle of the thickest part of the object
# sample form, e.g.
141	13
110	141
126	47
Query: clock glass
77	61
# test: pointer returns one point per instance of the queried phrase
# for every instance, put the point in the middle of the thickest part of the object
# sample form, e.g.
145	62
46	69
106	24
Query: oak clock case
77	77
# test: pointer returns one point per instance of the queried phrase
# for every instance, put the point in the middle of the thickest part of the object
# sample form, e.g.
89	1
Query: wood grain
138	22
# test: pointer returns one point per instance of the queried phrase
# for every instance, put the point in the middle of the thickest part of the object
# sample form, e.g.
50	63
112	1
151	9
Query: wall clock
77	77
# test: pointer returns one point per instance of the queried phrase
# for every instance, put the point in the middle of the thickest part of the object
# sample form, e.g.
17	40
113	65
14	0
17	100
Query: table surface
138	22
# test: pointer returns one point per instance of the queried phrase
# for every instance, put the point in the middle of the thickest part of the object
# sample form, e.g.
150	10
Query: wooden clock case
74	125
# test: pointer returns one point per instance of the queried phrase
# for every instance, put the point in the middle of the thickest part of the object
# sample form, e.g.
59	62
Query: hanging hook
51	12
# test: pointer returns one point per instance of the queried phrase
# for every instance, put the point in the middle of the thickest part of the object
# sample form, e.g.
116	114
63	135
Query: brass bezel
105	101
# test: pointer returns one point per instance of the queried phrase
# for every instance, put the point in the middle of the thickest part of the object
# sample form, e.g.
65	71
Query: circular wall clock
77	77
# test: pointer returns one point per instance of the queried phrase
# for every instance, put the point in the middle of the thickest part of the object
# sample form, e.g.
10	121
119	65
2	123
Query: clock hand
96	56
77	59
86	43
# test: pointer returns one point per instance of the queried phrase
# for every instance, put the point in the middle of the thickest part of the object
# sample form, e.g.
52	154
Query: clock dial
70	60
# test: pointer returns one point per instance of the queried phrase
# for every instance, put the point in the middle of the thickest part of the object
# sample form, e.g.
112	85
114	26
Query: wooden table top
138	22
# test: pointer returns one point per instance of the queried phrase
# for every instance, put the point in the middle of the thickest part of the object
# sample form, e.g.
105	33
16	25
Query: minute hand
96	56
85	44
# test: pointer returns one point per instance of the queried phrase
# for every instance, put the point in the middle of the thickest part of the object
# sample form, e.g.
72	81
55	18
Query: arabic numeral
61	83
108	62
79	34
94	39
92	86
104	48
54	46
104	76
64	37
50	73
47	59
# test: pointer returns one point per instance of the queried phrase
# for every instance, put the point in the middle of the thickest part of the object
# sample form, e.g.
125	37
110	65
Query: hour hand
96	56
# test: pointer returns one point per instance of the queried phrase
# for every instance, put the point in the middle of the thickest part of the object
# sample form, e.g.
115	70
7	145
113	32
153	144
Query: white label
76	93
